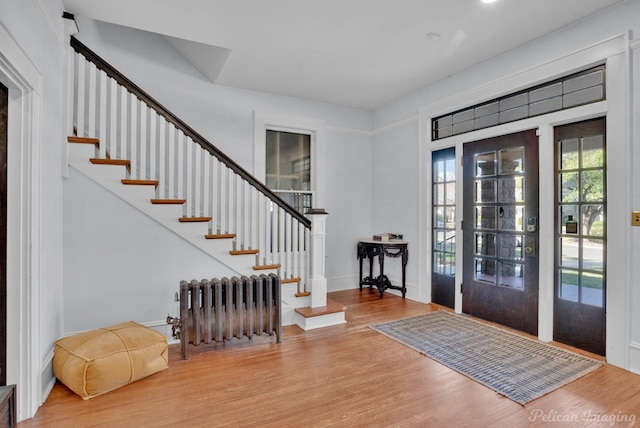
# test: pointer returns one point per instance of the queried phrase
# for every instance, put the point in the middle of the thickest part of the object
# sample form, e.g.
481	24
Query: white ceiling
361	53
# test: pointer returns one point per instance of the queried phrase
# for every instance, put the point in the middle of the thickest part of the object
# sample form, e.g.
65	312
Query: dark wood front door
4	113
500	230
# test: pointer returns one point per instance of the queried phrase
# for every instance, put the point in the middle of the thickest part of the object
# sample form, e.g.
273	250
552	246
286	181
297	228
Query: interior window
288	167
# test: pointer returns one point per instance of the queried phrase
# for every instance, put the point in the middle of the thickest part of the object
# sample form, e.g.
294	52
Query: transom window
570	91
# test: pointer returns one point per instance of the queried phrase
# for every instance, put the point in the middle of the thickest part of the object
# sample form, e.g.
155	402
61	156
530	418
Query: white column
317	279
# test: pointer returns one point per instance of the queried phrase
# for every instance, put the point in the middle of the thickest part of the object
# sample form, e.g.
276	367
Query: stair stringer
109	177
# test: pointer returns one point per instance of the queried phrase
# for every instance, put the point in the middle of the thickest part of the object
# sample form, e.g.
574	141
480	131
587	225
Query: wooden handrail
103	65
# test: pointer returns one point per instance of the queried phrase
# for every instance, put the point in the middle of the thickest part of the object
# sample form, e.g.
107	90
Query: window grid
444	205
570	91
288	167
580	266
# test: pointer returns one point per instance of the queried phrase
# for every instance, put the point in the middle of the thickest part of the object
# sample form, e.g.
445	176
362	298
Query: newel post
317	279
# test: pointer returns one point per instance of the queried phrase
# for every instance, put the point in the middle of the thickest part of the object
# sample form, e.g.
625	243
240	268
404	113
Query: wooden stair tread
140	182
83	140
194	219
241	252
303	294
168	201
266	267
100	161
220	236
290	280
331	308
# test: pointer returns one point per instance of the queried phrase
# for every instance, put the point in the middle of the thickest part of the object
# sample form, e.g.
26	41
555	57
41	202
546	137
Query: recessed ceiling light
489	1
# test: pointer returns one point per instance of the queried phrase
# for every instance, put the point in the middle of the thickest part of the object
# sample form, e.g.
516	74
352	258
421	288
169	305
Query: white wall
539	60
119	264
32	43
395	168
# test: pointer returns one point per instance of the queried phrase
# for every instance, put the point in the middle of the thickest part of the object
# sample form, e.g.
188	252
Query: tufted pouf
101	360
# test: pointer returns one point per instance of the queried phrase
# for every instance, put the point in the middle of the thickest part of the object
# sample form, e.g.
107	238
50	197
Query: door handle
530	246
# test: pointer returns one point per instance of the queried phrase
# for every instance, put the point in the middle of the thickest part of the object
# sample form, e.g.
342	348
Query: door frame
614	53
24	356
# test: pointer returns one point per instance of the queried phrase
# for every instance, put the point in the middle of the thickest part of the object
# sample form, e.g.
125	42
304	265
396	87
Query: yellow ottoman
101	360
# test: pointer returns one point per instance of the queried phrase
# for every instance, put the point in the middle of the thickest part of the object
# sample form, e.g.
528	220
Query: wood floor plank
346	376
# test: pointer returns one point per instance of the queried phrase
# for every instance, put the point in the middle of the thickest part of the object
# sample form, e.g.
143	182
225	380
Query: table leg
360	257
405	257
381	276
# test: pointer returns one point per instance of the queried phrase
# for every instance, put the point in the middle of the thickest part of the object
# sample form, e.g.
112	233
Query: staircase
134	147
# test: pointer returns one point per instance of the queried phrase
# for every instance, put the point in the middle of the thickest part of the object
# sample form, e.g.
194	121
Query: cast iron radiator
220	310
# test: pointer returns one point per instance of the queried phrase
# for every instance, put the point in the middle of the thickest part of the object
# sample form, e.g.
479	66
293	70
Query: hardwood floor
343	376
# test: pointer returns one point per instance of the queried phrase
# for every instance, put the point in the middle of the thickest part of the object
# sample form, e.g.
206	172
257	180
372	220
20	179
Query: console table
368	248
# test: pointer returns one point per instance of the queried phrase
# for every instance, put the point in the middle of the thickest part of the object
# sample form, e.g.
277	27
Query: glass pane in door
499	220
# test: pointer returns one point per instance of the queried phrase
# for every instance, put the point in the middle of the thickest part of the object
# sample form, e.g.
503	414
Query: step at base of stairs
309	318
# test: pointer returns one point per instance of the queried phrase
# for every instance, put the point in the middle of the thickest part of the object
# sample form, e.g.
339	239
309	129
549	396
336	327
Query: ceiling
361	53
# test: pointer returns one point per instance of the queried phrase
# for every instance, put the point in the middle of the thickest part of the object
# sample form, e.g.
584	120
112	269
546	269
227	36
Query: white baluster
234	199
295	250
209	190
103	107
281	236
143	140
214	200
152	159
91	102
170	151
224	199
180	170
305	260
123	104
161	150
81	86
205	191
111	143
75	89
240	207
134	134
196	179
263	214
187	149
250	215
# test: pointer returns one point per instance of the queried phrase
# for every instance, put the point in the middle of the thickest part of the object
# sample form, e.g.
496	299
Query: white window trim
614	52
317	131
